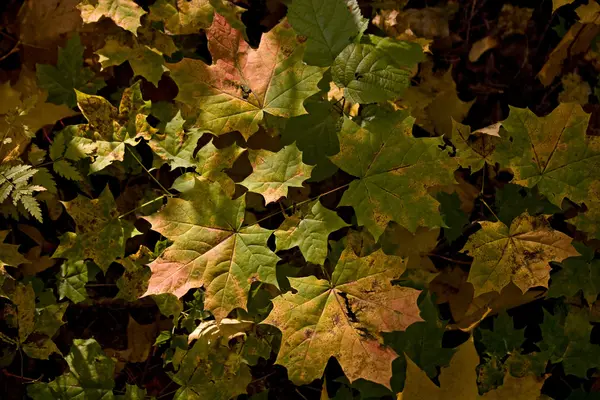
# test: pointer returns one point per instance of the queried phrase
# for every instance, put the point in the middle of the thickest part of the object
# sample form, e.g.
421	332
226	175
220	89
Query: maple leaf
68	74
309	231
395	172
182	17
211	162
520	253
242	83
473	149
99	235
567	340
415	248
43	23
9	253
436	92
422	341
113	129
590	220
315	135
329	26
124	13
343	317
174	145
460	377
22	113
90	375
556	4
552	152
577	273
210	249
377	70
211	370
144	60
274	173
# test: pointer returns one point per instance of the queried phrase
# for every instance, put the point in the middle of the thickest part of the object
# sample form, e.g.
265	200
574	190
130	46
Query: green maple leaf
210	249
395	172
210	163
133	392
243	84
68	74
503	338
90	376
552	152
343	318
273	173
124	13
99	235
113	129
422	341
315	135
566	339
182	17
211	370
329	26
473	149
309	231
520	253
144	60
175	146
577	273
455	219
377	70
513	200
590	220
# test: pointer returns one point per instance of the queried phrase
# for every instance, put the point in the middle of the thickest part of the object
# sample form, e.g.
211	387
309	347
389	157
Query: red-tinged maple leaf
243	84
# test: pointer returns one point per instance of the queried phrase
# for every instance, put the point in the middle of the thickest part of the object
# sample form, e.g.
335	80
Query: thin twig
449	259
15	49
151	176
302	202
142	206
490	208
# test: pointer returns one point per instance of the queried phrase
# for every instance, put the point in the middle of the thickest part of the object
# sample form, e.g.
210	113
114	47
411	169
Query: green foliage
61	80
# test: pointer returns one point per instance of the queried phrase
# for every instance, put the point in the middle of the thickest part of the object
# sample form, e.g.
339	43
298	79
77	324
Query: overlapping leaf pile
194	210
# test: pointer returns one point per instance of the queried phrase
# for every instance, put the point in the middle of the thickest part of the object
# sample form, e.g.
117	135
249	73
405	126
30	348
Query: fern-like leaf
14	185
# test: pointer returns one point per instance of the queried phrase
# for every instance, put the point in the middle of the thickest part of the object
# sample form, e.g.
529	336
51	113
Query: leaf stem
169	194
143	205
449	259
302	202
490	208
